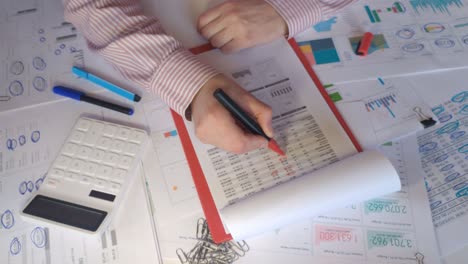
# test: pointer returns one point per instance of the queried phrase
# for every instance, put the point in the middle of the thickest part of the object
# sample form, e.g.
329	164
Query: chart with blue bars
418	8
435	6
376	14
385	102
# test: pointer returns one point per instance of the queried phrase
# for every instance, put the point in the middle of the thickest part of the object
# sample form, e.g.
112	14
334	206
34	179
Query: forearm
301	14
139	49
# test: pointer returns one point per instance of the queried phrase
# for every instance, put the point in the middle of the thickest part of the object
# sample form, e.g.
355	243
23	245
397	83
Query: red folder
213	218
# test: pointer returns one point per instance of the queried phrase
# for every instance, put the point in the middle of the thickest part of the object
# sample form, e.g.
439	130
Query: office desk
30	162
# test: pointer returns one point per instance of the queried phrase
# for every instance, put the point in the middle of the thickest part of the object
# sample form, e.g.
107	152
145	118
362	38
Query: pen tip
275	147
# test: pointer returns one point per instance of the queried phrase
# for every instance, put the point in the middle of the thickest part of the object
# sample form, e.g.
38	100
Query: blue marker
80	96
109	86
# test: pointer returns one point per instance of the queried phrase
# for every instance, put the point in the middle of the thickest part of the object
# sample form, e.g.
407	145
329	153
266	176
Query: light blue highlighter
105	84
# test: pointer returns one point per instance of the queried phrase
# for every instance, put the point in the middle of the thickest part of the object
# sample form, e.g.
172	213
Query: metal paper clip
182	256
239	248
419	257
202	229
206	251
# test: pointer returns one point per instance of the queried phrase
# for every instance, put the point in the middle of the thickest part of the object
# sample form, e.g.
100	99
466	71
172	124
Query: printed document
393	228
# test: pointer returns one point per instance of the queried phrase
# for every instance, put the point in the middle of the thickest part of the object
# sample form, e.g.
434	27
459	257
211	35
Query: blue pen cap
68	92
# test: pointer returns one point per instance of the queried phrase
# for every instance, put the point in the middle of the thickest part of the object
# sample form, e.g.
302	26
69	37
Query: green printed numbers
377	239
380	241
385	206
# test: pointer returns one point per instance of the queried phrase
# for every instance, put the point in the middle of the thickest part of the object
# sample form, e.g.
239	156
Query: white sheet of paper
24	169
134	224
305	128
391	228
380	110
443	156
445	93
38	51
409	38
300	117
335	186
344	235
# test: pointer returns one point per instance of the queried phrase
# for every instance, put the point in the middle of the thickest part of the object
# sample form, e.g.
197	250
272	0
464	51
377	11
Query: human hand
239	24
215	125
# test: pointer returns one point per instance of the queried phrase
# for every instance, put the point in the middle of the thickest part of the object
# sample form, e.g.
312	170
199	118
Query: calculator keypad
97	154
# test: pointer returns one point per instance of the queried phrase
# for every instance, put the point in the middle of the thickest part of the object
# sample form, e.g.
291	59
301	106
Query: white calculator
90	176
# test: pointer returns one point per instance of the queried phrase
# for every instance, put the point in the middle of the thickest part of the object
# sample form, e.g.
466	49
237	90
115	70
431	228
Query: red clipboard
210	210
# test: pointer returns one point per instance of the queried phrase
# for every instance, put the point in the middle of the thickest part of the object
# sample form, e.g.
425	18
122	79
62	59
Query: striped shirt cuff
301	14
330	7
179	79
298	14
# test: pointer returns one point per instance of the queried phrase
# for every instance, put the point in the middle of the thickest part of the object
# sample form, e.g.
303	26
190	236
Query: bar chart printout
377	14
379	43
384	103
390	111
393	113
320	51
436	6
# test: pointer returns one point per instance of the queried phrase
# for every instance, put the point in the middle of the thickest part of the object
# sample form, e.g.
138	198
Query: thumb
254	107
262	113
264	120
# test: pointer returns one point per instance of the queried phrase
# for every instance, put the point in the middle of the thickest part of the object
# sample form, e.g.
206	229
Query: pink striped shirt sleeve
139	49
142	52
300	14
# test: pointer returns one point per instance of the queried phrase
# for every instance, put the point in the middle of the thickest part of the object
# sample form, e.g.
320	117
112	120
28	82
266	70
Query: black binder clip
426	121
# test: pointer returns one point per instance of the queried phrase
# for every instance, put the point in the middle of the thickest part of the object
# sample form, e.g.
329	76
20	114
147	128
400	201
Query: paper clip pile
206	251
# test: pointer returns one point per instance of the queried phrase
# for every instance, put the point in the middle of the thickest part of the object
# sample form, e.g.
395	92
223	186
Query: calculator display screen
65	212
